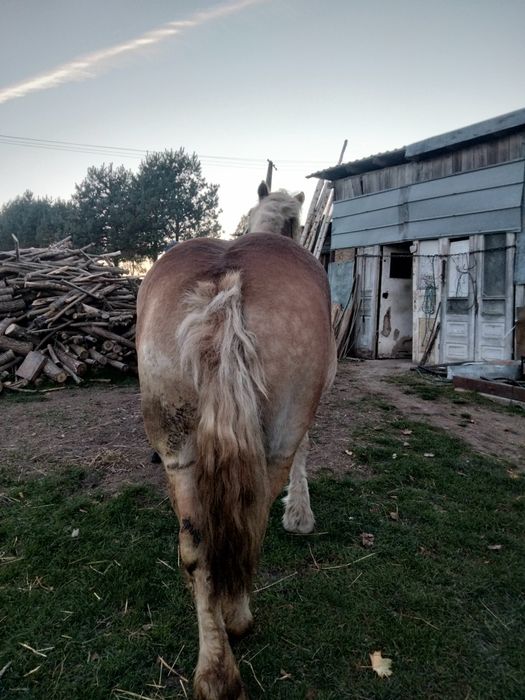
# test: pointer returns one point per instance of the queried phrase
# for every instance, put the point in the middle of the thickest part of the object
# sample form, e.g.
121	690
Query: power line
130	152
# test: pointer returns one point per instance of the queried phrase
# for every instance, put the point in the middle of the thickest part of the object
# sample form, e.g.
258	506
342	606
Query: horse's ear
300	197
262	190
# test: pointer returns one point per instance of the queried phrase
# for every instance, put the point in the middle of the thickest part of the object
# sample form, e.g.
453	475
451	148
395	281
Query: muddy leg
237	615
298	516
217	676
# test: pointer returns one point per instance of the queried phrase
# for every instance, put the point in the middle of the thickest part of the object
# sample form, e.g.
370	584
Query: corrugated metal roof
449	141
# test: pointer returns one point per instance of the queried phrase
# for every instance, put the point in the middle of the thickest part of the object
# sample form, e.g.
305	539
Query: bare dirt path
100	428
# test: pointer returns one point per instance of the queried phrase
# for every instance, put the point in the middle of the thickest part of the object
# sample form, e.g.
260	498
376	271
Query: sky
242	81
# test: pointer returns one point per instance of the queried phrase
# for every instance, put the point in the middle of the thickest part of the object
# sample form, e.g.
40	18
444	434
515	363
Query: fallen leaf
495	546
394	515
406	431
367	539
428	454
382	666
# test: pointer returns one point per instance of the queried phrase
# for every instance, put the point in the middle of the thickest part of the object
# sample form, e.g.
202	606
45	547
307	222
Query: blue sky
247	81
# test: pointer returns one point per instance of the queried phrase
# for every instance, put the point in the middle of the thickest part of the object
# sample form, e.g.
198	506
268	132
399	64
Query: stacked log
63	313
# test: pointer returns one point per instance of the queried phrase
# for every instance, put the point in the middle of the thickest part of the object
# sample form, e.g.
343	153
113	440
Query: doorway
394	333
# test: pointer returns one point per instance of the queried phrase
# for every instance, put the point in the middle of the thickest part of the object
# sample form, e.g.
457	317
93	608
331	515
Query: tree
35	221
104	211
174	200
242	227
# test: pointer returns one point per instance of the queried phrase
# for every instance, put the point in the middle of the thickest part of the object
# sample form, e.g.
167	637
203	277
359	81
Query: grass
90	616
430	389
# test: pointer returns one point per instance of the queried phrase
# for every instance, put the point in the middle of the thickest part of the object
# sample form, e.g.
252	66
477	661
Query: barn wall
479	201
502	150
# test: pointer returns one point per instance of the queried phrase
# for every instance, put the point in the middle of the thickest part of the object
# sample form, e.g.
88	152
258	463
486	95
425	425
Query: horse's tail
221	357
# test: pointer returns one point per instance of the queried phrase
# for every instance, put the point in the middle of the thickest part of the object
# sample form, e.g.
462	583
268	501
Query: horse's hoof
216	686
298	520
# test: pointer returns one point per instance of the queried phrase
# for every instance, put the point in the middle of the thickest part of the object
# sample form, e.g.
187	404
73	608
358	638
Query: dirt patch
363	391
100	428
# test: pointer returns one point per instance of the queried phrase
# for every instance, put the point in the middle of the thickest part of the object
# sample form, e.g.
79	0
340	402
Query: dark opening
401	266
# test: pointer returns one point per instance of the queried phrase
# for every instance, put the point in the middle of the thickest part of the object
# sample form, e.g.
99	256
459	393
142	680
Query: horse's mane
273	212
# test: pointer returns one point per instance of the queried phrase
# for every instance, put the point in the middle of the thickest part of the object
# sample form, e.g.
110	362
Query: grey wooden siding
482	155
478	201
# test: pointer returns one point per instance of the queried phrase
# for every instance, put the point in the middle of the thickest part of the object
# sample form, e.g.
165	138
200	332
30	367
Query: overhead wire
131	152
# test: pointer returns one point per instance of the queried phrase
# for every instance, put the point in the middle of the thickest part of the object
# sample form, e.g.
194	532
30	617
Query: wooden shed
434	235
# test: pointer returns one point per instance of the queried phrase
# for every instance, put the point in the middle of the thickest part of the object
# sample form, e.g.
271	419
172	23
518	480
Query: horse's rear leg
298	516
217	676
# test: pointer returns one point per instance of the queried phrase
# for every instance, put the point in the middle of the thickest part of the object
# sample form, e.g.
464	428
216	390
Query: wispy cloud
91	65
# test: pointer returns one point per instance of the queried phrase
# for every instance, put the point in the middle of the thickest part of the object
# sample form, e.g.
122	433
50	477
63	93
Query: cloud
91	65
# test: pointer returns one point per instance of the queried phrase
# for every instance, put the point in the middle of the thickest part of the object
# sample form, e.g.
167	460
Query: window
494	275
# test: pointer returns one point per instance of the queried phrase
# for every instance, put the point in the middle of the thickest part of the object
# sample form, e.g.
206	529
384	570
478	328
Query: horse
235	348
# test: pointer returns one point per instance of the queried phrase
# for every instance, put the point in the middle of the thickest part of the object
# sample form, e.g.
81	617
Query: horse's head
277	212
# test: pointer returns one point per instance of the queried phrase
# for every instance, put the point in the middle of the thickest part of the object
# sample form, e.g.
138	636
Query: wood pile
63	312
319	216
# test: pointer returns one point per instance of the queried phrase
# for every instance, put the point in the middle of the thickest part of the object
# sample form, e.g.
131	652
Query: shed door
394	338
458	313
494	320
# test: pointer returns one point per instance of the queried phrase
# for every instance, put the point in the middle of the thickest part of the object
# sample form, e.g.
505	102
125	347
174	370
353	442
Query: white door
477	314
458	310
494	318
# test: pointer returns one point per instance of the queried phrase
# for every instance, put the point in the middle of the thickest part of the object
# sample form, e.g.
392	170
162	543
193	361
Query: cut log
14	305
20	347
5	323
31	366
118	365
6	356
98	357
79	351
70	362
103	333
13	329
54	372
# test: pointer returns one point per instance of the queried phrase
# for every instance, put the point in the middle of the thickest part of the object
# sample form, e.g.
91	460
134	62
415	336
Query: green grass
430	594
430	389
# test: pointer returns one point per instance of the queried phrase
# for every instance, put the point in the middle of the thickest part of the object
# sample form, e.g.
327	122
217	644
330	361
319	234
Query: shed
436	234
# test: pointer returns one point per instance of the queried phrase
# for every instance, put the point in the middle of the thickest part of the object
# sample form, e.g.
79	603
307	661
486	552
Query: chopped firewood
79	351
6	356
12	305
31	366
97	357
18	346
67	305
5	323
53	372
68	361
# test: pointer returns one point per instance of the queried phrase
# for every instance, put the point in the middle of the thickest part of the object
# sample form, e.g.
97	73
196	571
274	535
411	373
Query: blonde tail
220	356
